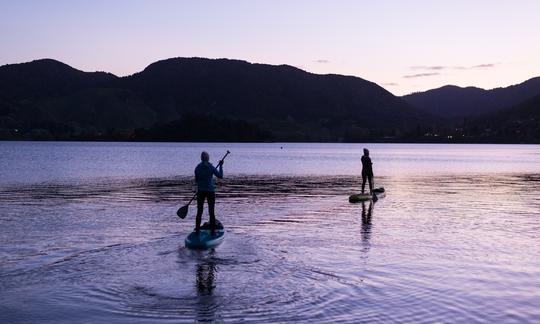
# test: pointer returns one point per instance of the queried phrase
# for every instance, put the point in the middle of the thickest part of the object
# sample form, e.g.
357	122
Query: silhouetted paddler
206	188
367	171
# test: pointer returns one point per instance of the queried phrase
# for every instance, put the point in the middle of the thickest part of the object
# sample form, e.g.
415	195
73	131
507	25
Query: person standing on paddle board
367	172
206	188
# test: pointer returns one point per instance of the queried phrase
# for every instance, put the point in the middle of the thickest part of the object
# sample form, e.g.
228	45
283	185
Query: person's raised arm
219	171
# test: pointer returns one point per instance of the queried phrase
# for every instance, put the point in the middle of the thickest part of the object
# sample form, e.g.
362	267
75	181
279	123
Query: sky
404	46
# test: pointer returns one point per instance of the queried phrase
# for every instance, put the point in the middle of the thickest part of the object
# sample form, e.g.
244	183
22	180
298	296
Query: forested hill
198	99
452	101
518	124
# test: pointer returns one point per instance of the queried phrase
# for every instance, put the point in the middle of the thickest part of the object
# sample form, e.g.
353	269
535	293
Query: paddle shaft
375	198
192	198
223	158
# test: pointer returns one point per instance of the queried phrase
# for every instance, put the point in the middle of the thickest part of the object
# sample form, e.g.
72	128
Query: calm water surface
89	233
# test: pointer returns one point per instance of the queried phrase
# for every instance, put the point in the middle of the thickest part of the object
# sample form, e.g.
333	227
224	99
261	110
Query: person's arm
218	172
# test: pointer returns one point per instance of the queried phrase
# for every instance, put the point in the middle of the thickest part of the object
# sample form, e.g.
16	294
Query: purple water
89	234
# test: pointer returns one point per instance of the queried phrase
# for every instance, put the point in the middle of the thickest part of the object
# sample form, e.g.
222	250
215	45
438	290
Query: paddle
375	198
182	211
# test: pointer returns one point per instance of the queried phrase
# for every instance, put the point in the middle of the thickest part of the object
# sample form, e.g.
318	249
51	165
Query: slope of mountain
453	101
518	124
528	110
48	99
241	89
47	78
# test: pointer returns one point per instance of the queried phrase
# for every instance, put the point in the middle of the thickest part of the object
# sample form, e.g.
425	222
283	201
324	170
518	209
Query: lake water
89	234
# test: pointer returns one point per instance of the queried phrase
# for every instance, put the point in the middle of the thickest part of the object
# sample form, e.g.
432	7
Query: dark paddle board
379	192
205	239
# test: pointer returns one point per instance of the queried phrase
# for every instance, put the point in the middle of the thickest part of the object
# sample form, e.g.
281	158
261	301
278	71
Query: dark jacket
366	166
204	175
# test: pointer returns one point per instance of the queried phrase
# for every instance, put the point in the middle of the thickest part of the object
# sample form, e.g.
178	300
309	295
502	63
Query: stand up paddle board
379	192
204	239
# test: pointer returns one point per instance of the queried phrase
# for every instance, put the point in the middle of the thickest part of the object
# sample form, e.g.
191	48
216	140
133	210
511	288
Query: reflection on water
205	277
367	213
205	281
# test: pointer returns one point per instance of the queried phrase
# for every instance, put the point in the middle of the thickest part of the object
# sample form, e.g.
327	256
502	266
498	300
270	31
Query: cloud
484	66
429	68
433	70
478	66
420	75
458	67
390	84
322	61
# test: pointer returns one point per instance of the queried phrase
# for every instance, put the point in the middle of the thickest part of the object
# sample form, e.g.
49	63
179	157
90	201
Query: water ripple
436	249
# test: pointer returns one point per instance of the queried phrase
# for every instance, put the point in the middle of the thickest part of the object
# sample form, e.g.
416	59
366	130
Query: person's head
366	152
205	157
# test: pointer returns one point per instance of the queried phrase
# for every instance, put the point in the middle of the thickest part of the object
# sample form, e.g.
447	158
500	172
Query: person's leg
370	184
211	206
363	183
200	206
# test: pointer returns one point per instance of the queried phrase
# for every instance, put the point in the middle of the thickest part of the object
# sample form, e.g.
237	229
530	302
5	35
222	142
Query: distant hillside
452	101
238	88
49	100
518	124
47	78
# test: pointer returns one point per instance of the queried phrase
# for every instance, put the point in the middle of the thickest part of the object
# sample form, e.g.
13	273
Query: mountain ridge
452	101
54	100
192	99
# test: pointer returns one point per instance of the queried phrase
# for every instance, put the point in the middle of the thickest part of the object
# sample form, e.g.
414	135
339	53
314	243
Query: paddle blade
375	198
182	211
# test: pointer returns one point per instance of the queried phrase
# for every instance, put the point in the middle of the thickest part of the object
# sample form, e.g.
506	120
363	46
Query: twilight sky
404	46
